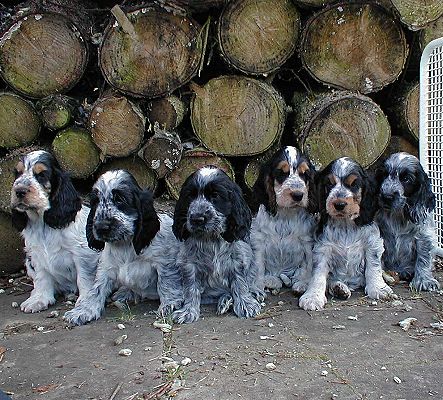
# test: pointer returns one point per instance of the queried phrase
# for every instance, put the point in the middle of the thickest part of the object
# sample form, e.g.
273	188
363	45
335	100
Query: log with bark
168	112
150	52
191	161
57	111
337	124
42	54
416	14
117	125
357	46
76	152
258	36
237	116
406	107
19	122
432	31
12	257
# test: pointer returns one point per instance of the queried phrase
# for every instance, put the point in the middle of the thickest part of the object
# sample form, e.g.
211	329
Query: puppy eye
118	198
279	174
406	179
355	184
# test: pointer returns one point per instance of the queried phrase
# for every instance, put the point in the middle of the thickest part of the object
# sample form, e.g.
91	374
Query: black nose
388	198
340	206
198	219
103	227
297	196
20	192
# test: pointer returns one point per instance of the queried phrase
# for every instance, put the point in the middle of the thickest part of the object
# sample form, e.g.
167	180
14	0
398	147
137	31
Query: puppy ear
148	223
263	190
19	220
319	199
93	243
65	202
181	216
422	202
238	222
369	199
313	191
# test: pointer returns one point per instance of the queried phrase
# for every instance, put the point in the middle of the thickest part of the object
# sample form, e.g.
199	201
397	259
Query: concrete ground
352	350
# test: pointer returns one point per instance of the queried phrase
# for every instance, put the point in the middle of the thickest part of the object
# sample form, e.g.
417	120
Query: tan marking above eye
332	179
351	179
20	167
284	166
38	168
303	167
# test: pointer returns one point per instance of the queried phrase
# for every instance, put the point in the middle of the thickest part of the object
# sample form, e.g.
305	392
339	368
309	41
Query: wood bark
357	46
42	54
56	111
432	31
191	161
19	122
12	257
76	152
168	112
406	108
416	14
150	52
338	124
117	125
237	116
258	36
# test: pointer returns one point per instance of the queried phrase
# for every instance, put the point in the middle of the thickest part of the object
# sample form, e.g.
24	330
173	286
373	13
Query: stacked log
406	106
418	14
432	31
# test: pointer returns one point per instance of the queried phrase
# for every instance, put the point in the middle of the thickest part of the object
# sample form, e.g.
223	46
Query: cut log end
417	14
167	112
56	111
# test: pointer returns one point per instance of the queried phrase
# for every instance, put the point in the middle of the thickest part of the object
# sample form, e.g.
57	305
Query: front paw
165	309
273	283
340	291
312	301
224	304
246	307
299	288
428	284
36	303
125	295
186	315
258	294
376	292
82	314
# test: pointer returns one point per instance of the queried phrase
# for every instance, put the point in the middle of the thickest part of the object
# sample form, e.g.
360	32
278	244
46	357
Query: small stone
118	341
14	304
164	327
11	280
121	326
406	323
338	327
125	352
324	373
201	363
149	348
53	314
186	361
383	368
353	317
397	380
264	337
2	291
280	303
374	303
407	307
437	325
40	328
271	325
396	303
270	366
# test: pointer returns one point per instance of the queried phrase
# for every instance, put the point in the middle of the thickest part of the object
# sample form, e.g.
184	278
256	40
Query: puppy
48	211
138	247
213	220
282	233
347	254
406	221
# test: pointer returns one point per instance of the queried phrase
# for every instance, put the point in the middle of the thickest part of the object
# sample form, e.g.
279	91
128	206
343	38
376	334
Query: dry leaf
45	388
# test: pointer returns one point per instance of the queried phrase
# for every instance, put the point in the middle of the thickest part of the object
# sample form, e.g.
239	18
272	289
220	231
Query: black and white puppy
139	250
347	254
282	233
216	262
406	221
48	211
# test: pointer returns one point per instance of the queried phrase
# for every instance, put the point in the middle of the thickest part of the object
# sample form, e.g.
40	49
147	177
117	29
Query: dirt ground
352	350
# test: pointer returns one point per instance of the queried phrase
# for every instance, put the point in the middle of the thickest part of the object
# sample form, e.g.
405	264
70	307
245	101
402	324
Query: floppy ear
93	243
369	199
313	204
263	190
238	222
148	223
19	220
320	199
422	202
181	217
64	201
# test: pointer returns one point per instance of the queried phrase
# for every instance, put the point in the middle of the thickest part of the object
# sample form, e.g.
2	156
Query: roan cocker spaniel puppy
349	248
139	250
282	233
216	262
48	211
406	221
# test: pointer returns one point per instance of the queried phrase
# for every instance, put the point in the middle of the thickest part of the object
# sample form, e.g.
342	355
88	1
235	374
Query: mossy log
162	152
150	52
416	14
237	116
19	122
12	257
191	161
56	111
42	54
357	46
337	124
258	36
168	112
432	31
76	152
406	109
117	125
143	175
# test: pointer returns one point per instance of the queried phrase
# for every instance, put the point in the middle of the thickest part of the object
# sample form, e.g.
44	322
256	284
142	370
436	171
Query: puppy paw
246	307
258	294
36	303
225	302
167	308
299	287
125	295
339	290
82	314
273	283
186	315
428	284
286	280
379	292
312	301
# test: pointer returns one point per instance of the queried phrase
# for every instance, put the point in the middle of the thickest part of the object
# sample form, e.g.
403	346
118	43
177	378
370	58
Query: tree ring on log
42	54
416	14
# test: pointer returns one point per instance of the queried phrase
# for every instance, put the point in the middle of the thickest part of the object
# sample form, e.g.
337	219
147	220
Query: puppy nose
103	226
21	191
340	205
197	219
297	196
388	198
